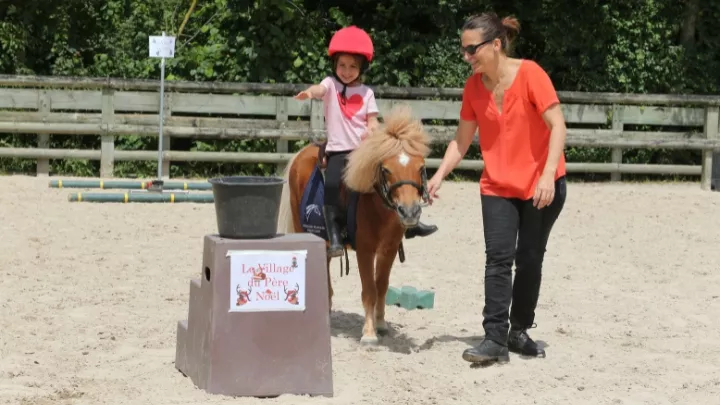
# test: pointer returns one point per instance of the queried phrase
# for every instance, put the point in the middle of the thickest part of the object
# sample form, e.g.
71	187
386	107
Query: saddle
312	219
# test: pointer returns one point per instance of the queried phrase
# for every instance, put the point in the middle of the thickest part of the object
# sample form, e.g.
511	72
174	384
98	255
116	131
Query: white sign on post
161	47
267	280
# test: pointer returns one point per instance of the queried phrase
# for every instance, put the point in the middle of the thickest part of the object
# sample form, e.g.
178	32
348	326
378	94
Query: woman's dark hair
492	27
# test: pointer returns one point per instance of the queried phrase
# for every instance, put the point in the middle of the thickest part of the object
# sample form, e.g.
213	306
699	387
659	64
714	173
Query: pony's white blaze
404	159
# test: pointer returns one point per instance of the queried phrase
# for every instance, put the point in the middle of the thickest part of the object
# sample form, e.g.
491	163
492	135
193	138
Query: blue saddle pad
311	205
312	218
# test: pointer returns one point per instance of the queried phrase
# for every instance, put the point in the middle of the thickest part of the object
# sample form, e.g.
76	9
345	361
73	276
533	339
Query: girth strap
347	263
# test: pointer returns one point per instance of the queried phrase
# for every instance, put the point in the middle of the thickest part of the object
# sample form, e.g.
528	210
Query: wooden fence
40	106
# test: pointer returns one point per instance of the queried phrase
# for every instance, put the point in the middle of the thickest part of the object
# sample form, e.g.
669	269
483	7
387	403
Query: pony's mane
400	132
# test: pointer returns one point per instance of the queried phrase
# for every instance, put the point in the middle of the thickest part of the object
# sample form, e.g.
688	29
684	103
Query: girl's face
480	53
348	68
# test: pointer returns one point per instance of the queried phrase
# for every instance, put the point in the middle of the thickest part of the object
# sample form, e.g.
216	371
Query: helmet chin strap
343	98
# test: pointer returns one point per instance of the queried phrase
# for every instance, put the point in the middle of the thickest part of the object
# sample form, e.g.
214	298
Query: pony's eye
385	170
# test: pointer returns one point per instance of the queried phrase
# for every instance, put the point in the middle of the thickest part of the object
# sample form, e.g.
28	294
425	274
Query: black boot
488	350
420	230
520	342
333	230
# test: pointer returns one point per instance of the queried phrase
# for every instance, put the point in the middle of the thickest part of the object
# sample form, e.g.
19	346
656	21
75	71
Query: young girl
350	115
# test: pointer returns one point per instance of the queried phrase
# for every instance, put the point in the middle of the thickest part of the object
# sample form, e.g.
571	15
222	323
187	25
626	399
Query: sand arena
91	295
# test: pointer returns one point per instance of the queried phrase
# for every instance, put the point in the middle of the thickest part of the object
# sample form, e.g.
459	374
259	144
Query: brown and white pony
388	169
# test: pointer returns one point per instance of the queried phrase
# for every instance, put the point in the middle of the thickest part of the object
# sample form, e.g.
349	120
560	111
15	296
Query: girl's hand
303	95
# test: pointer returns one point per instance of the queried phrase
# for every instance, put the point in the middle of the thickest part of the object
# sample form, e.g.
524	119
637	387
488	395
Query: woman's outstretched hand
433	186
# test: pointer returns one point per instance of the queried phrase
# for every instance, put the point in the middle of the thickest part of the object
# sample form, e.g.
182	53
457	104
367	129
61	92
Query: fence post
317	120
43	140
281	116
712	118
617	125
107	142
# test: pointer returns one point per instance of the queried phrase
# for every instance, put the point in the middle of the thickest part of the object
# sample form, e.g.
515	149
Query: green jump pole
141	197
128	184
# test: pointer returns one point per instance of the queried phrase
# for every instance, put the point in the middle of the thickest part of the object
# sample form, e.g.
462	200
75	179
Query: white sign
267	280
162	46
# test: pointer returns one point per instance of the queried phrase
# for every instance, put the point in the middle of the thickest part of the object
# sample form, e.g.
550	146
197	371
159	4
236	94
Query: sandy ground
91	294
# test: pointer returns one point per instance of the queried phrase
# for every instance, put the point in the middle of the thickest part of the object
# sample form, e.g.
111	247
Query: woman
513	105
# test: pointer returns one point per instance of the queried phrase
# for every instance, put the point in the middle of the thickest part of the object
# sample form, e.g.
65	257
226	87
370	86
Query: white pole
162	113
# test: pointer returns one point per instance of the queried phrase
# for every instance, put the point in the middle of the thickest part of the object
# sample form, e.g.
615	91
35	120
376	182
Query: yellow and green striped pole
128	184
141	197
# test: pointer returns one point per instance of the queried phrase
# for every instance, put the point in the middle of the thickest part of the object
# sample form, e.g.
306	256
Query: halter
385	191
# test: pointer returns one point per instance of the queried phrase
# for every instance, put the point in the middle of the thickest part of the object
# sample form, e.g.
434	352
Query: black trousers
336	162
515	231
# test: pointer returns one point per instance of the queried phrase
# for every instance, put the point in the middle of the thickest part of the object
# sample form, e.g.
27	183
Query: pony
387	173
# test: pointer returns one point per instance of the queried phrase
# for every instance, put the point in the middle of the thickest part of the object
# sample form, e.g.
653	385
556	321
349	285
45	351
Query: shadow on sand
349	325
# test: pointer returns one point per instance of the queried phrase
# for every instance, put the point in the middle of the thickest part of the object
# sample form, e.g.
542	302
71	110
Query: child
350	115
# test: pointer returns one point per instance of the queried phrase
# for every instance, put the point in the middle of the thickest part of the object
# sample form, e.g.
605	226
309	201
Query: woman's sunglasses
471	49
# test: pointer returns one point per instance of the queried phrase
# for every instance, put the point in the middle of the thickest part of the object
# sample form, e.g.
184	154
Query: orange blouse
515	143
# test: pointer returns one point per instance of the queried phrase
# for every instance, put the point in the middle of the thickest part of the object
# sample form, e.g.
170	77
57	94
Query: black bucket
247	207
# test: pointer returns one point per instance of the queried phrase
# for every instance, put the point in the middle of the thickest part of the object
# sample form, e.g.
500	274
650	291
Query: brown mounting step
257	353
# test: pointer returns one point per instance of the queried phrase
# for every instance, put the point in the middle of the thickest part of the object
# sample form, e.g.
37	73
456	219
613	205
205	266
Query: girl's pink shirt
346	124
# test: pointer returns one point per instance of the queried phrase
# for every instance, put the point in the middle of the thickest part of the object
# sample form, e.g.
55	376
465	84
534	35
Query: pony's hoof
369	340
382	327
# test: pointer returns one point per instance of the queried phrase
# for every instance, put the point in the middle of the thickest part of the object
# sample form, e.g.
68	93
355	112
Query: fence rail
41	106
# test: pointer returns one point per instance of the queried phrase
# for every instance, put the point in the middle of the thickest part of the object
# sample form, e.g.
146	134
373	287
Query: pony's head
391	161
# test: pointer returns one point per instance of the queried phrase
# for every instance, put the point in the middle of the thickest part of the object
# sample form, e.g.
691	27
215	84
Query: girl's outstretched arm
316	91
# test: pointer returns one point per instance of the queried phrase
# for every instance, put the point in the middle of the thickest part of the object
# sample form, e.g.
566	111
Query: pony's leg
383	266
366	268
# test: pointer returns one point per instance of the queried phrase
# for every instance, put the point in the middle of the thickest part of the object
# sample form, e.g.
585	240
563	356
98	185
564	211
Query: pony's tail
285	219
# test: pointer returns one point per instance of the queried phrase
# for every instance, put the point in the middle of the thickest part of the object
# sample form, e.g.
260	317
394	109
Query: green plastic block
410	298
425	299
393	296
